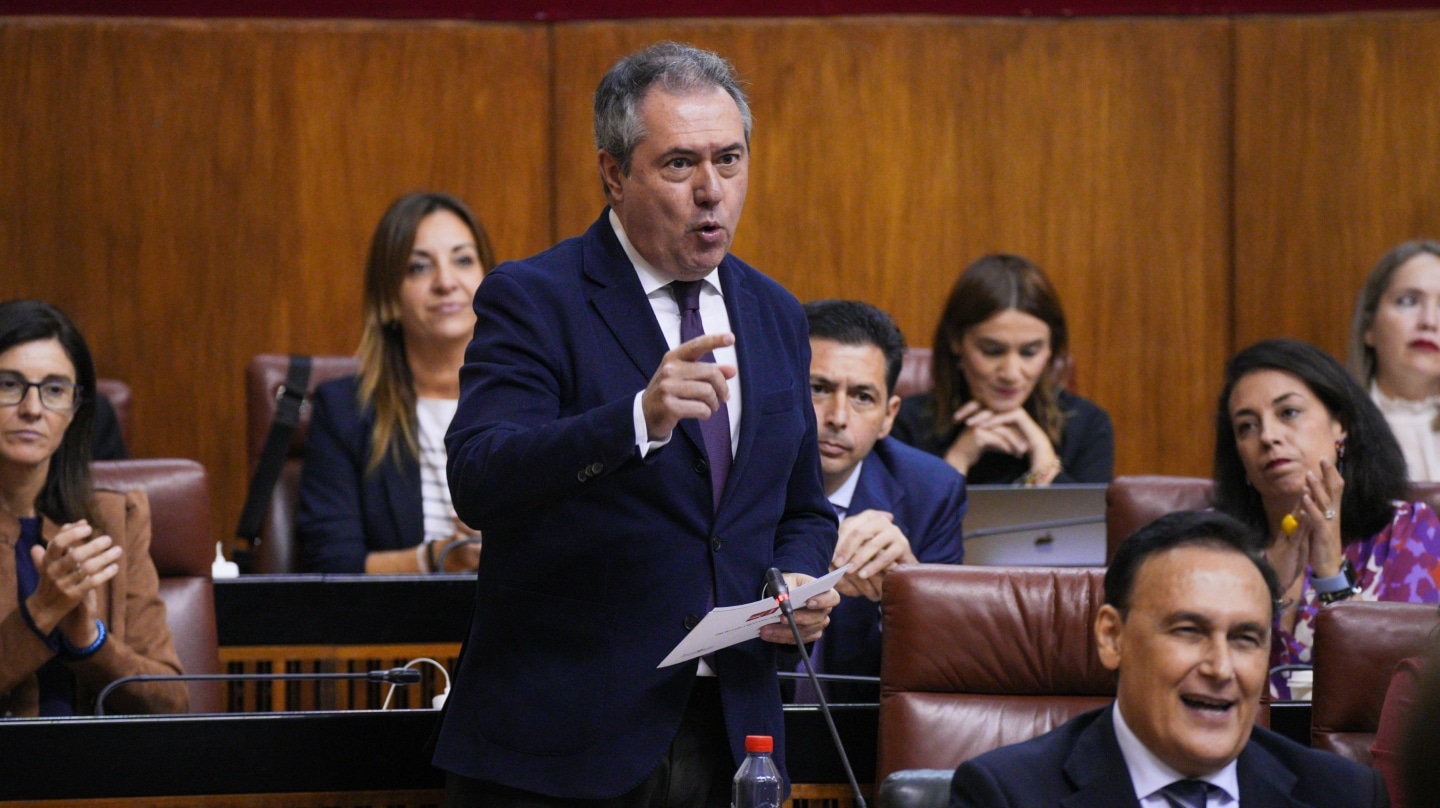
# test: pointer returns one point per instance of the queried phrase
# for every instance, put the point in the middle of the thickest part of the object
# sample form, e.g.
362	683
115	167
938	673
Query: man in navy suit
896	504
1189	603
627	480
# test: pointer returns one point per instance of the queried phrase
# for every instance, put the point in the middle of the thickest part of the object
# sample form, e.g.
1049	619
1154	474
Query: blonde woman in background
373	492
1395	350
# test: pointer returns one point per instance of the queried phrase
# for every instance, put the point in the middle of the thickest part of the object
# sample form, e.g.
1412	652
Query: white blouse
434	416
1414	424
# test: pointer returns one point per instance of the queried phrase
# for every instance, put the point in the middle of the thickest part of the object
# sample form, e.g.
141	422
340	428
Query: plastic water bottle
757	784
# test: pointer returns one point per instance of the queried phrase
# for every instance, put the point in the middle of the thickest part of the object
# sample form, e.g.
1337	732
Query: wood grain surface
196	192
1337	159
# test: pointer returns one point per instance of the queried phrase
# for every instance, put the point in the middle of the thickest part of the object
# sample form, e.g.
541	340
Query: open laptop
1055	526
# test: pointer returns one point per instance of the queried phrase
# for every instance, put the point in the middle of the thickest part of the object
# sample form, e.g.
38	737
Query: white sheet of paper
726	625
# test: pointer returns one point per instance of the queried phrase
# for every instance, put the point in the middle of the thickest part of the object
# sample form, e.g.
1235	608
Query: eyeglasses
56	395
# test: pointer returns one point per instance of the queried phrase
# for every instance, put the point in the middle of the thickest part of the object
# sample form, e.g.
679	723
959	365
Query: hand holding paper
727	625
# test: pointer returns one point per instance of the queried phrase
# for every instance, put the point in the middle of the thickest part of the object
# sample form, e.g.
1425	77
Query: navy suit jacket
597	562
1079	765
344	511
927	498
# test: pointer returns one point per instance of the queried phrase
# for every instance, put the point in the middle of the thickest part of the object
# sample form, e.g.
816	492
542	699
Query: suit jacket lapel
406	497
621	303
877	489
619	298
744	312
1097	768
1263	779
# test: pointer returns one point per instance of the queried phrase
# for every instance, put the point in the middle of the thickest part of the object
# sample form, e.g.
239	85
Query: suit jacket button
596	468
715	543
701	467
582	476
691	621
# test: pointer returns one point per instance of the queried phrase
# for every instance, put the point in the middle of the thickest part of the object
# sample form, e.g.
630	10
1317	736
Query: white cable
391	692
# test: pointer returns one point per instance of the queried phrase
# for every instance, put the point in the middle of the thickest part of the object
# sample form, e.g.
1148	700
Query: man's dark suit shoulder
1082	755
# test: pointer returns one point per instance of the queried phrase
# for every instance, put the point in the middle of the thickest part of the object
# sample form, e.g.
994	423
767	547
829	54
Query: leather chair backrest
914	373
975	658
264	374
182	548
118	394
1134	502
1357	646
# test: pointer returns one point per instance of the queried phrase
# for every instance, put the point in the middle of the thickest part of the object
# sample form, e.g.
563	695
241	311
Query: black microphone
394	676
778	589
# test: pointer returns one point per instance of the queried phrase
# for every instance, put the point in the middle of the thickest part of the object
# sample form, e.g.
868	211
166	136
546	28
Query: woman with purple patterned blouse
1303	455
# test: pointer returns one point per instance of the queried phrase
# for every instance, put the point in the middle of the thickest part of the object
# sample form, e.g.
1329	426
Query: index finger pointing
695	349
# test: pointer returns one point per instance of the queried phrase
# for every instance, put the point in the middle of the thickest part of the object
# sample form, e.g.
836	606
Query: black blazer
345	512
1079	765
1086	449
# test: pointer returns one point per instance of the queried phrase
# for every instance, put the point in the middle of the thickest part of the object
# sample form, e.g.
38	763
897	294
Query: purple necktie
715	429
1187	793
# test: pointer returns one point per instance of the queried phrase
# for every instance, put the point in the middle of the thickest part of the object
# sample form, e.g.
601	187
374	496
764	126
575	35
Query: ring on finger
1329	514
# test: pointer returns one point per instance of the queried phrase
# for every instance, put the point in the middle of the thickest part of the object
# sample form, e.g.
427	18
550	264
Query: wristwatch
1337	587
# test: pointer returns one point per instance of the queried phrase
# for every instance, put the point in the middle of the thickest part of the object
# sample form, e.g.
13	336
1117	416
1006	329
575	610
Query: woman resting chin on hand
995	413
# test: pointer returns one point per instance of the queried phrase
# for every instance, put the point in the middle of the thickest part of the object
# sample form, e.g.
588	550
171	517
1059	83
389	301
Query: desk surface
343	609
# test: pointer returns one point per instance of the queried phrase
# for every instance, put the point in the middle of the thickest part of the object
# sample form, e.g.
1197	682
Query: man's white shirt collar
1149	773
650	278
846	493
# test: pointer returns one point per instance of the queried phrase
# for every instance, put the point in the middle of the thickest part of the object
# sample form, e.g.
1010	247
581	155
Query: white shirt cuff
642	432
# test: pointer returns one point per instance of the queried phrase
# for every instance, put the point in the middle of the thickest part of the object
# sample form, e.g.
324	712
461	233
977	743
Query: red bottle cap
759	743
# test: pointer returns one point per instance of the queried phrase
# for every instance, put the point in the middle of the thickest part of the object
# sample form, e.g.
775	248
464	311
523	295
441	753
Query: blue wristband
71	652
1335	583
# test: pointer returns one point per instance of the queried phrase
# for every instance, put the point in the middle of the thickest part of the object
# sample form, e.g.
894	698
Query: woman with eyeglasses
79	596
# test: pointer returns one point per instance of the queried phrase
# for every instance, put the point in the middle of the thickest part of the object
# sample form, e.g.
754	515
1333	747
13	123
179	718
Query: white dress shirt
1413	423
1149	774
667	314
845	494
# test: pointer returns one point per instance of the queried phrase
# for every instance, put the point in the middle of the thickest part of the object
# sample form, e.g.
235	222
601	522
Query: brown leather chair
118	394
914	373
264	374
1134	502
976	658
182	549
1357	646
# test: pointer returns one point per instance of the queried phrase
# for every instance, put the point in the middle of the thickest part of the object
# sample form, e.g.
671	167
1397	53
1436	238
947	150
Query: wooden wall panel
197	192
888	153
1337	123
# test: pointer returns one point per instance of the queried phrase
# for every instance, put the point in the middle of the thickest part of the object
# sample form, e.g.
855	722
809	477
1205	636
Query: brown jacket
139	638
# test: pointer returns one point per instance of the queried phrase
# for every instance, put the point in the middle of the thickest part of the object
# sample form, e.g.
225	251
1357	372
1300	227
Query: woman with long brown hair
996	413
373	492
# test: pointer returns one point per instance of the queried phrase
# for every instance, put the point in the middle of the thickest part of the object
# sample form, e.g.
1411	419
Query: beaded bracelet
1033	477
71	652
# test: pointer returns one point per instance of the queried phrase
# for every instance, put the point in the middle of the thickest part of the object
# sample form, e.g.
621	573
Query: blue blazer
345	512
597	562
1079	765
927	498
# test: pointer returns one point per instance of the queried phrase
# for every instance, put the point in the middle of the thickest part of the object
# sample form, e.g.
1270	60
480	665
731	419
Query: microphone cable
781	592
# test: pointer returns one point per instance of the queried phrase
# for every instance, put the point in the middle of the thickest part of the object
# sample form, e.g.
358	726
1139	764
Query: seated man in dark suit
1189	603
896	504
